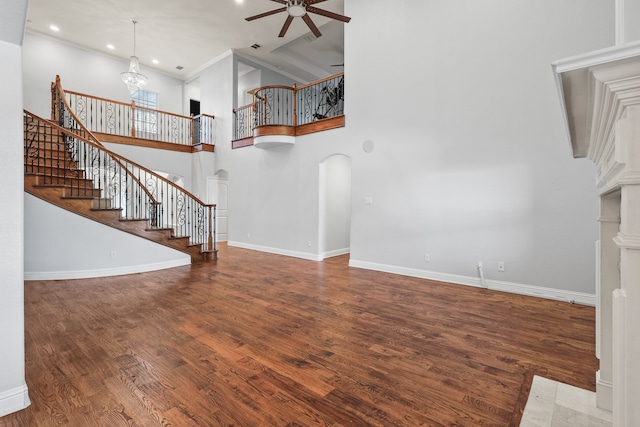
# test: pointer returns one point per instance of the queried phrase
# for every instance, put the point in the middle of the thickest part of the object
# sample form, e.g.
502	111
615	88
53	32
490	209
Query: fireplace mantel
593	89
600	97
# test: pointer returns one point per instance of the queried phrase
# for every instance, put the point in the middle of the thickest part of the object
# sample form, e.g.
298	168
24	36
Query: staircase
83	177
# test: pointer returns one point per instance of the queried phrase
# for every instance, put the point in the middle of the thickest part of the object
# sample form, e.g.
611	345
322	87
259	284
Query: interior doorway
334	217
194	107
217	192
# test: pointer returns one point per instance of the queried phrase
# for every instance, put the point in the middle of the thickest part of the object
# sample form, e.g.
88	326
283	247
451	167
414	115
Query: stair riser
81	192
50	162
42	138
48	171
64	180
47	153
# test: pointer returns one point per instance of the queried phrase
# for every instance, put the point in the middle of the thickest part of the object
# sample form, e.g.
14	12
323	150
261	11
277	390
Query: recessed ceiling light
239	1
155	61
54	28
110	47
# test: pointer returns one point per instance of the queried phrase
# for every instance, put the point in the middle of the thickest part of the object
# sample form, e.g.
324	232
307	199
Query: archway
334	217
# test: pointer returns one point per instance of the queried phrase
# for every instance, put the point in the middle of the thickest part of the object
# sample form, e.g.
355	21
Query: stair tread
78	197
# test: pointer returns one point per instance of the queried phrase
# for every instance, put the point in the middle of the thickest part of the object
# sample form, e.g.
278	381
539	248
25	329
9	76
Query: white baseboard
604	393
104	272
515	288
14	400
277	251
336	252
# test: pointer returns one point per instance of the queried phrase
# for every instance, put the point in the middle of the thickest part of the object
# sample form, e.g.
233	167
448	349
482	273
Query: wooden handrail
61	94
260	96
253	104
320	81
205	115
96	97
132	103
273	87
167	126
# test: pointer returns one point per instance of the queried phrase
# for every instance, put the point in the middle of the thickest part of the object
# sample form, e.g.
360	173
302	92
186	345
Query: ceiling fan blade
280	1
306	18
310	2
286	25
328	14
262	15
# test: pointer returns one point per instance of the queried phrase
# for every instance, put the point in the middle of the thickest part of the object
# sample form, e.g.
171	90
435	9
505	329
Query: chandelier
132	78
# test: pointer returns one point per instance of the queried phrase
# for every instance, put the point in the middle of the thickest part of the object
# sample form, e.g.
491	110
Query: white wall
86	72
90	251
13	389
246	82
471	161
217	92
274	194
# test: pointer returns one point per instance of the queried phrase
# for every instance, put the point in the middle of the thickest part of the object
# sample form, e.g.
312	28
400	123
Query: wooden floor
257	339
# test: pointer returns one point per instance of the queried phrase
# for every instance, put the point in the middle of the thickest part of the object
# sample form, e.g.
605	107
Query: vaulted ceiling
193	33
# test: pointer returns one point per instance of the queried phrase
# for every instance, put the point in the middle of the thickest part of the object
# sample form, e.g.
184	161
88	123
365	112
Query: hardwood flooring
257	339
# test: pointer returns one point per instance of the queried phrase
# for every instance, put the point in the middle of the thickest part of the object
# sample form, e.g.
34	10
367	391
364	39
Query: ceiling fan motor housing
296	8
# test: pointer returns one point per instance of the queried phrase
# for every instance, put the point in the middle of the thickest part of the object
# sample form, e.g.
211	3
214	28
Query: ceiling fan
299	8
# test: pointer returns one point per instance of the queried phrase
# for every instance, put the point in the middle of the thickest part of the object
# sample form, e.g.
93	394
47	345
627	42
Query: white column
608	282
13	389
626	300
626	341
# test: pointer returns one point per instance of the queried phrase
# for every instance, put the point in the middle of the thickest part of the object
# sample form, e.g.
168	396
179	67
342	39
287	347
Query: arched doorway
334	217
217	192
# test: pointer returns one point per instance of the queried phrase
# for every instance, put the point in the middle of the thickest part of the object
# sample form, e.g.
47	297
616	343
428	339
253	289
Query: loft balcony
280	113
131	124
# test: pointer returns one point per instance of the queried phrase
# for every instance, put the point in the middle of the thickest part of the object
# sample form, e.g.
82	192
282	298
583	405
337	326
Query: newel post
133	119
193	131
295	105
53	102
210	236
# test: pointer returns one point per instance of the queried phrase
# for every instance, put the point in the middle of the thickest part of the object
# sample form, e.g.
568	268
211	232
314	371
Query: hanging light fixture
132	78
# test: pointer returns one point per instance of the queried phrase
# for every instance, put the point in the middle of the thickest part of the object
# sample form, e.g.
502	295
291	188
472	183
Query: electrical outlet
309	243
427	258
114	254
500	265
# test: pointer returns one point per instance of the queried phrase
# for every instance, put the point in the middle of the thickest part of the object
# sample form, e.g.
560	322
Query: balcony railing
127	119
291	106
